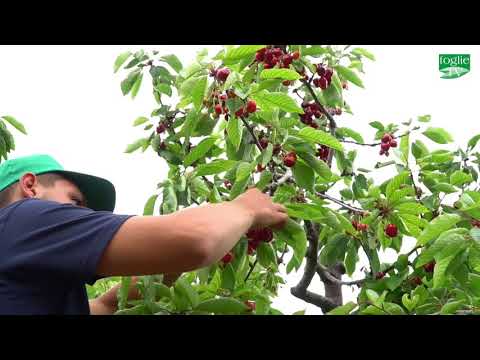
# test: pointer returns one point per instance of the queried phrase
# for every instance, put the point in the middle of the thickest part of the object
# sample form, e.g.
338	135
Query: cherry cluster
272	56
387	142
310	110
325	77
359	226
323	152
257	236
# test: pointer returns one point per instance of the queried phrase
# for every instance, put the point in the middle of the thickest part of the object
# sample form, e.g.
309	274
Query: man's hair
47	180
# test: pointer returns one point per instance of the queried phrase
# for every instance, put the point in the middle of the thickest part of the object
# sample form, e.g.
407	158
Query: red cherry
296	55
290	159
218	109
263	142
260	55
345	85
227	184
277	52
286	82
386	138
417	280
385	146
316	82
476	223
323	83
320	69
328	74
163	146
239	113
251	106
223	97
429	267
355	224
391	230
260	168
222	74
228	258
379	275
225	109
161	128
267	66
251	305
393	143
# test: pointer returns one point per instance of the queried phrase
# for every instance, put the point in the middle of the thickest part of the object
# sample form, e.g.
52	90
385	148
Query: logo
453	66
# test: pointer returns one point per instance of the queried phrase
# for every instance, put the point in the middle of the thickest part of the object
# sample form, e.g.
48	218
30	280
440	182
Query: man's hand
265	212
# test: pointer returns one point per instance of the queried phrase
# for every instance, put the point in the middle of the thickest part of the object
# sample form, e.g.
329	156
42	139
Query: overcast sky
71	104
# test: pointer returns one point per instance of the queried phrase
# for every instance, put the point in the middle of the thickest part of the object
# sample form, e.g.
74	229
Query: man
58	232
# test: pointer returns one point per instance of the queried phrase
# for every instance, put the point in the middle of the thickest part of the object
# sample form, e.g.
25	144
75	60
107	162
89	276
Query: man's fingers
280	208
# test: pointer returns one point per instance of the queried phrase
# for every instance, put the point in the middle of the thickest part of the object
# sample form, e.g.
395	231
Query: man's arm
188	239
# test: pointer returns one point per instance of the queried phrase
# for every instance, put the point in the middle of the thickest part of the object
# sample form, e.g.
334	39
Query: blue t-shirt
48	252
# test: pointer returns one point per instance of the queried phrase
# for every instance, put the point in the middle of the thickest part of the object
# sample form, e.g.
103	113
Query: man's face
64	192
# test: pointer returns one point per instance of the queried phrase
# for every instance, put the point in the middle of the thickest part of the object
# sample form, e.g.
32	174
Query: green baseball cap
99	193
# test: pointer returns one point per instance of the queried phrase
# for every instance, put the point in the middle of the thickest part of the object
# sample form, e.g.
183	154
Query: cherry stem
376	144
341	203
250	271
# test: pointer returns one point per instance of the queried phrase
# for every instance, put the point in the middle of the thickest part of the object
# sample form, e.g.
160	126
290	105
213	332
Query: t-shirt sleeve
49	238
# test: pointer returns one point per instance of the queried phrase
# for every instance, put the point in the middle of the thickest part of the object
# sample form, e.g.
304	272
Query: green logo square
453	66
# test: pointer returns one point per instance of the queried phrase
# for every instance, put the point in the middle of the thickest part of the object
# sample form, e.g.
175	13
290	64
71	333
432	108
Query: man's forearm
227	223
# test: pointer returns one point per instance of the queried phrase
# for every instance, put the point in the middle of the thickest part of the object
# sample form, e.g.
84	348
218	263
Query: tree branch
341	203
250	271
250	130
325	275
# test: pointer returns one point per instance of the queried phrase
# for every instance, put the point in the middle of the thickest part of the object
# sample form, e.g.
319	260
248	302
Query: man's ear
28	185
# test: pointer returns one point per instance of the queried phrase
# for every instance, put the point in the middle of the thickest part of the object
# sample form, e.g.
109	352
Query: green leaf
411	208
437	226
304	175
395	183
173	61
449	243
438	135
377	125
410	304
150	204
343	310
473	141
363	52
294	235
265	179
186	290
267	154
445	188
164	89
440	270
15	123
198	91
334	250
313	50
372	295
215	167
120	60
140	120
266	255
319	166
394	281
451	307
419	149
351	259
285	74
404	144
458	178
200	150
228	278
122	294
350	75
235	131
241	52
136	85
222	306
320	137
474	283
347	132
272	100
136	145
305	211
170	202
424	118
